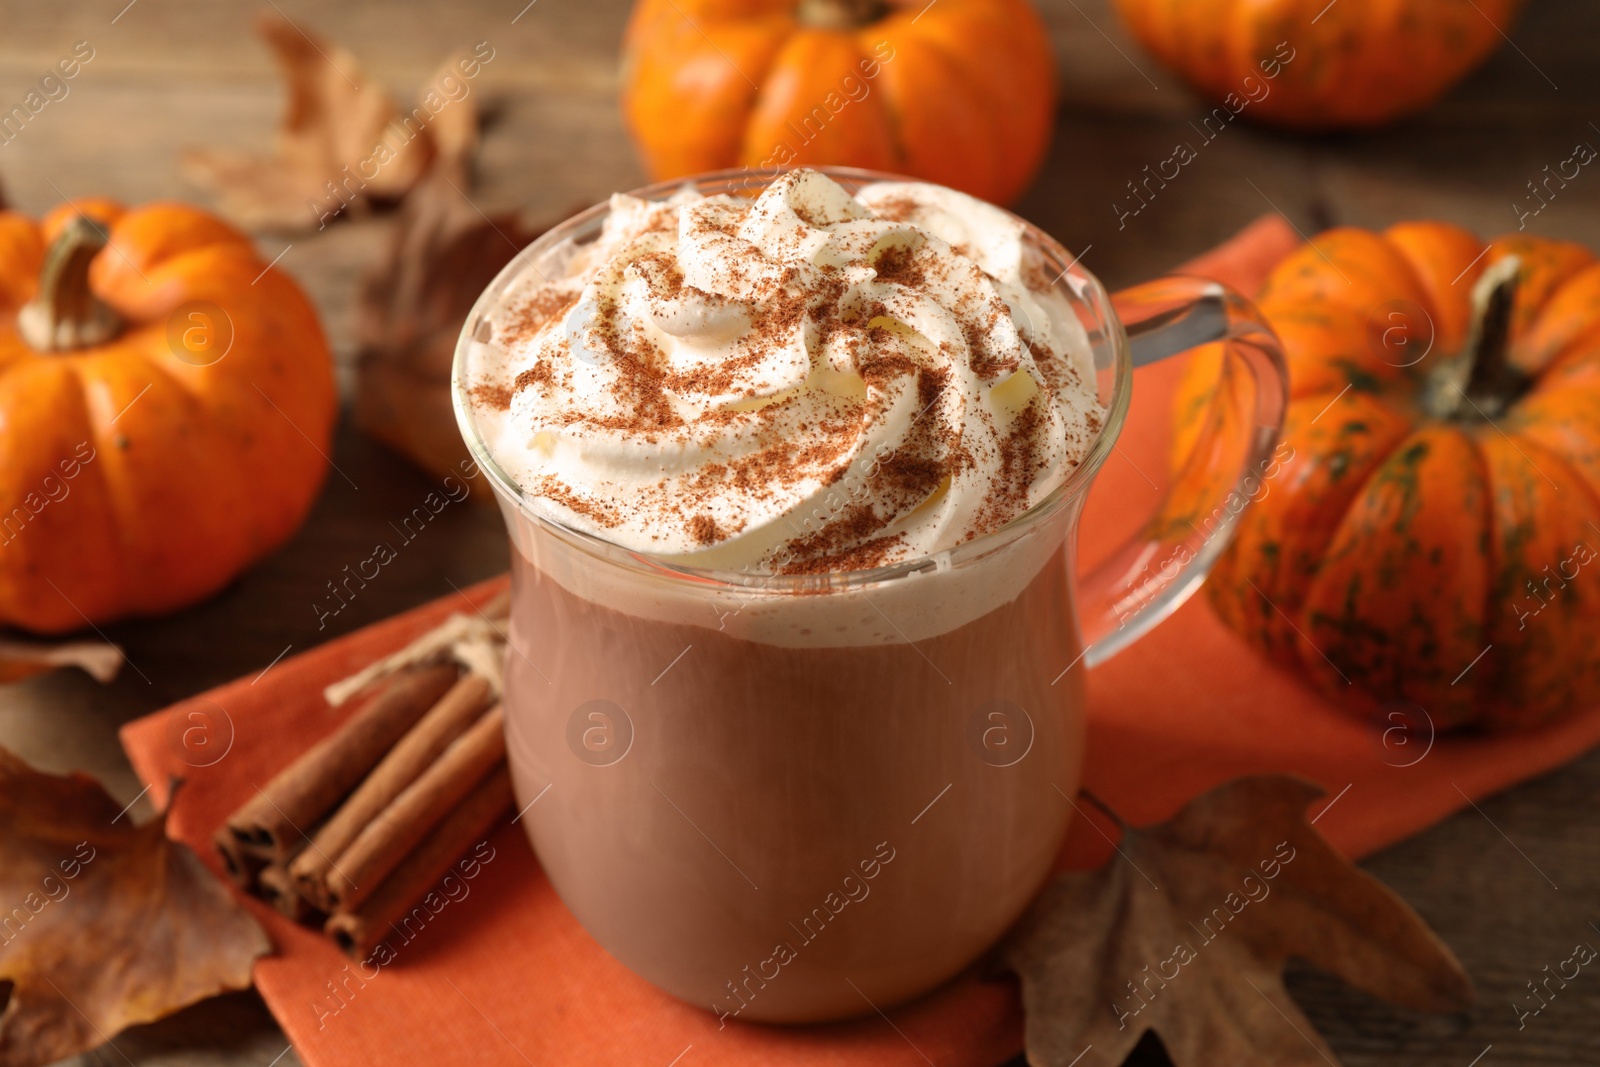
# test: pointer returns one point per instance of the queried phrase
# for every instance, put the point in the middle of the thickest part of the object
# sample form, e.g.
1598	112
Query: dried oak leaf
24	659
336	119
443	254
1188	936
106	924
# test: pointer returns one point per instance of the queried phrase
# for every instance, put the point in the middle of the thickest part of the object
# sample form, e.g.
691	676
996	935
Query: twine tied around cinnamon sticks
361	826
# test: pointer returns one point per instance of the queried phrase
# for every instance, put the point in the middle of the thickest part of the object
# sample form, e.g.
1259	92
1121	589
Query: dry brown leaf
454	129
1187	935
343	139
24	659
102	924
444	253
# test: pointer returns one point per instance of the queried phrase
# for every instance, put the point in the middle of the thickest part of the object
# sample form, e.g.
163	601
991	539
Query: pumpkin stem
1491	381
66	314
840	14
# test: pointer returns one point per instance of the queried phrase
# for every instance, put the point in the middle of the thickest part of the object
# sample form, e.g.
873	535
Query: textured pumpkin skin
961	93
1394	547
193	472
1356	63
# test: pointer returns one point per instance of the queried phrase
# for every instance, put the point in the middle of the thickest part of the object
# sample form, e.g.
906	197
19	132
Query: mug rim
1071	490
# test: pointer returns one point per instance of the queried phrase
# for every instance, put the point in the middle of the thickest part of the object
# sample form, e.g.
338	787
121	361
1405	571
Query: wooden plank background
172	74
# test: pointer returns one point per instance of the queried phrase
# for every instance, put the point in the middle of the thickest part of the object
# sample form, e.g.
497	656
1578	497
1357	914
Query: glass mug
781	826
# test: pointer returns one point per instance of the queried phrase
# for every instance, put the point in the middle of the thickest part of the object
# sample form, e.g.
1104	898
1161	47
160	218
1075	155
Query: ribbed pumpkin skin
1357	63
1395	547
961	92
193	472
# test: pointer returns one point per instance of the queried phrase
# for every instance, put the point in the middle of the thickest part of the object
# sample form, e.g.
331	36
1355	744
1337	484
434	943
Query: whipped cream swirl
807	381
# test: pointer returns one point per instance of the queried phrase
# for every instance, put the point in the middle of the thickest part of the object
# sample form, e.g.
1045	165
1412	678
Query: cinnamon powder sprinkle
544	307
864	557
493	395
553	489
704	529
896	209
899	265
538	374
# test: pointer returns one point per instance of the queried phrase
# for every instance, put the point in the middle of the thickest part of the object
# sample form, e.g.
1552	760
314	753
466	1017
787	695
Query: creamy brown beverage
790	710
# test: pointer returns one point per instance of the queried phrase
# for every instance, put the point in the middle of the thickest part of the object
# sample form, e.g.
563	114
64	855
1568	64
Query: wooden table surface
171	74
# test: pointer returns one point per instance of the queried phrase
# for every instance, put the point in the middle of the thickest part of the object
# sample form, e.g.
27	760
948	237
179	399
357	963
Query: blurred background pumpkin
1356	63
1433	540
166	402
961	92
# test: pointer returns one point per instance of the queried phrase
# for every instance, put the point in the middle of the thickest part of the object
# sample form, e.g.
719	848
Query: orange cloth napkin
507	975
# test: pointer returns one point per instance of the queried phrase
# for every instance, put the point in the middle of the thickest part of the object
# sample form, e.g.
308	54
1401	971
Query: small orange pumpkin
1430	538
166	405
959	92
1350	63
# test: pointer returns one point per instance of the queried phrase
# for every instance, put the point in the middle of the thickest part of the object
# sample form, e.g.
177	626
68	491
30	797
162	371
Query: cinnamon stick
270	823
407	761
384	842
279	891
446	641
242	867
498	607
358	930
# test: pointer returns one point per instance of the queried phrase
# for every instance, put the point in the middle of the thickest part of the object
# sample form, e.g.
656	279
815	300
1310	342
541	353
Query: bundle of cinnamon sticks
366	821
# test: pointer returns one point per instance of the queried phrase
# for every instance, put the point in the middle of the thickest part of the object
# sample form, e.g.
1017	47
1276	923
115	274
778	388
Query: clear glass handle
1146	579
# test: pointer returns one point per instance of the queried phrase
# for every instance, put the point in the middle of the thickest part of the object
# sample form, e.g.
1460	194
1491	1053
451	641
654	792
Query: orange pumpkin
166	404
1431	537
960	92
1315	65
